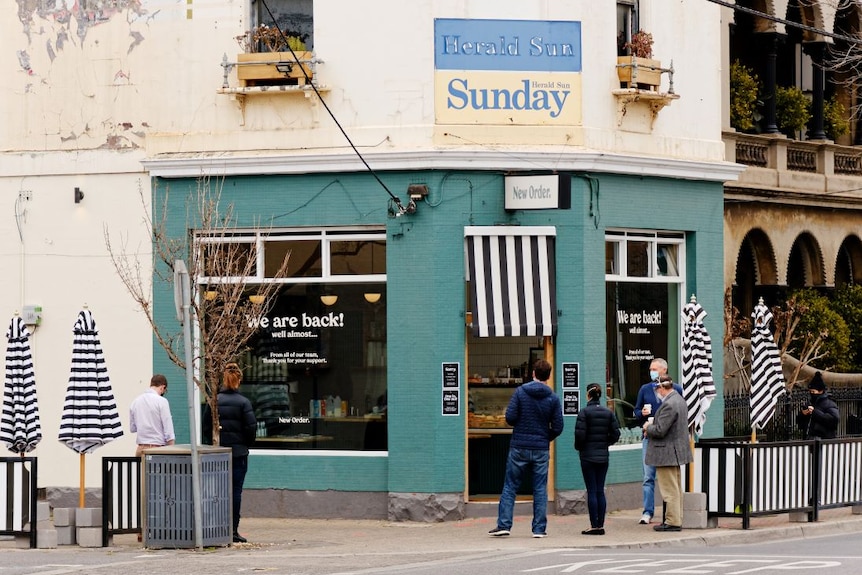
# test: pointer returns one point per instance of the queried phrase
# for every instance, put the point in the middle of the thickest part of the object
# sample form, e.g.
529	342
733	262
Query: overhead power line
791	23
308	81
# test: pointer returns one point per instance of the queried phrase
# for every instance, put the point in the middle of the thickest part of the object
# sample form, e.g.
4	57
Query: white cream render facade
104	98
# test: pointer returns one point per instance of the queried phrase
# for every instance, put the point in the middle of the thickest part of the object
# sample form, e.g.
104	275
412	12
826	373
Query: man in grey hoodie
536	415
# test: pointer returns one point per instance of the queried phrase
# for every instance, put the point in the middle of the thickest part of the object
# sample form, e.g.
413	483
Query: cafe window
644	274
316	370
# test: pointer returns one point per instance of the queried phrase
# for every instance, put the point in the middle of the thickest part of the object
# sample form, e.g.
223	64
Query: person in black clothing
595	429
237	426
819	419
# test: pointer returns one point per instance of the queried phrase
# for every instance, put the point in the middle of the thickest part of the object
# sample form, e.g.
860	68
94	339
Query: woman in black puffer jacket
595	429
237	427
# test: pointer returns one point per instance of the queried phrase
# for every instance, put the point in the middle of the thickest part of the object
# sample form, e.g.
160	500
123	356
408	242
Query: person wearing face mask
647	404
819	419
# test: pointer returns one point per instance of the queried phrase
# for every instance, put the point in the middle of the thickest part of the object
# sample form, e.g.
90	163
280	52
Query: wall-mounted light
284	67
79	195
210	294
256	299
372	297
329	299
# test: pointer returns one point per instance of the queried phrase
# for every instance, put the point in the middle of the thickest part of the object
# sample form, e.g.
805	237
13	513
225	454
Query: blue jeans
519	461
239	467
649	484
594	480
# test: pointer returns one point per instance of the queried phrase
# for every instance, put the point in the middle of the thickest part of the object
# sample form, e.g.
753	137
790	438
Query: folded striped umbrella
698	385
767	377
20	428
90	418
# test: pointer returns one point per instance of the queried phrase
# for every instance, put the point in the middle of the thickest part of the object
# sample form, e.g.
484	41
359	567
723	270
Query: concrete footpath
340	536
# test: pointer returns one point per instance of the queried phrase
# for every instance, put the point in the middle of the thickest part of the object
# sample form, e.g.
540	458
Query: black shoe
666	527
593	531
237	538
498	532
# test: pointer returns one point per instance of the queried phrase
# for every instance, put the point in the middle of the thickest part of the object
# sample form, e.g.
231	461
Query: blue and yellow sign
507	72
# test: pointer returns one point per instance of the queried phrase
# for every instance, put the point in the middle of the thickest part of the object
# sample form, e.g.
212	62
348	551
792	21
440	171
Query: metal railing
121	496
745	480
18	481
783	426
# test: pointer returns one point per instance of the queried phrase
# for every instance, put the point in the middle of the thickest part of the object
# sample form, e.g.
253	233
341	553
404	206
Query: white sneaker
645	519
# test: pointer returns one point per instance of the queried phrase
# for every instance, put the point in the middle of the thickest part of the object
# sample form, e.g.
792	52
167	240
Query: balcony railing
798	166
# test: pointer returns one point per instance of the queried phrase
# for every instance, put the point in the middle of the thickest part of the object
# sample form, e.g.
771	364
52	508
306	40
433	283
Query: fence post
815	481
747	472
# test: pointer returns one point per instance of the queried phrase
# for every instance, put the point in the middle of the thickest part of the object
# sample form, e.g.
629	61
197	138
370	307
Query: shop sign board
571	401
537	192
507	72
451	378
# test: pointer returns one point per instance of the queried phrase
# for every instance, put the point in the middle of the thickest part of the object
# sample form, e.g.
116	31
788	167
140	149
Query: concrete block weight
88	517
66	535
89	536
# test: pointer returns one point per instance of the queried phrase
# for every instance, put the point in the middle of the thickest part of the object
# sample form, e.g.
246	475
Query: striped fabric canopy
20	428
512	280
90	418
697	383
767	378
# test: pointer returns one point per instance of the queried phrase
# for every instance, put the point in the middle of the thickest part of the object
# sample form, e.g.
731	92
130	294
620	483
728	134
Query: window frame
620	239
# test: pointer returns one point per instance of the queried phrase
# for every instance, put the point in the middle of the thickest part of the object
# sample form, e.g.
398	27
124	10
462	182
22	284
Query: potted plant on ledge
268	58
639	70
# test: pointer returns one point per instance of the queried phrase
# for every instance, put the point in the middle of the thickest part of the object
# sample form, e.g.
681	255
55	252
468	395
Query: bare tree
221	259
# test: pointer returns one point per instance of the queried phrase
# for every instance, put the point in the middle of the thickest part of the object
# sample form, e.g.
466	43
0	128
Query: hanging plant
792	109
835	118
744	87
640	45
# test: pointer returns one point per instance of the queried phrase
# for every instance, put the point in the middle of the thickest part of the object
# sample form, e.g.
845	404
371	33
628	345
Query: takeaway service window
316	372
644	274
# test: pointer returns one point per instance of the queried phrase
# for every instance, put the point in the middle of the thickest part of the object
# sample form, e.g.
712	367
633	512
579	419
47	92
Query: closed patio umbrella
697	383
90	418
767	378
20	428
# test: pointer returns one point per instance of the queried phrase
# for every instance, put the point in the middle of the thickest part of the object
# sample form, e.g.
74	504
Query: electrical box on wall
32	314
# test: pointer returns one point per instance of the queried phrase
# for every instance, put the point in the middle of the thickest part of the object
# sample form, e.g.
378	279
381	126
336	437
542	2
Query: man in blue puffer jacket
536	415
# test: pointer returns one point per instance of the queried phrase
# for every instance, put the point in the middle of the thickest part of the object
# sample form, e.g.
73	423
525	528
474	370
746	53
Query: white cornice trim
232	164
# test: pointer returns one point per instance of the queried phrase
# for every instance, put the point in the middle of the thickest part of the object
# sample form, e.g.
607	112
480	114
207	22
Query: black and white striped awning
511	271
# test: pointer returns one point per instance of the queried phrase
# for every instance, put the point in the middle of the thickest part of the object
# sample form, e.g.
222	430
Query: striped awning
511	271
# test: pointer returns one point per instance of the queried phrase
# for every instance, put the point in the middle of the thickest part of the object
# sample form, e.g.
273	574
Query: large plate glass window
644	281
316	370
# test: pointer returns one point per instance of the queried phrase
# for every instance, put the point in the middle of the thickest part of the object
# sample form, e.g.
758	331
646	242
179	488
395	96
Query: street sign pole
182	300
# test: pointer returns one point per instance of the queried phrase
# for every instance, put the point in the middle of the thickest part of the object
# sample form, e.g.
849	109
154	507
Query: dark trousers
594	480
240	466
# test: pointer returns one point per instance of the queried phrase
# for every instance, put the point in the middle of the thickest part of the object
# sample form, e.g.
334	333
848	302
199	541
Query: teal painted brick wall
426	301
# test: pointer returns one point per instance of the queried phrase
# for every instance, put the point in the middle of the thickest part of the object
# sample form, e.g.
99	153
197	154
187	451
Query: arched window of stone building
755	268
805	265
848	264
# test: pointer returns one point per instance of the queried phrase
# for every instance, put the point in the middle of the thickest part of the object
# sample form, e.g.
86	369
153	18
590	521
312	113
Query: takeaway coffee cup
648	408
650	420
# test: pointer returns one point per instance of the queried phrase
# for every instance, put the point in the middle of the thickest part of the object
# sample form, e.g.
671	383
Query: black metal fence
745	480
783	425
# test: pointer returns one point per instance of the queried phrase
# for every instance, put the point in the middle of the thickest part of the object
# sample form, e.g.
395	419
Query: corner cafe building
382	372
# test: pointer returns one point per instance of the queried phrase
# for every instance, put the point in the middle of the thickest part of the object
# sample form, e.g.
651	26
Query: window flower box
274	68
